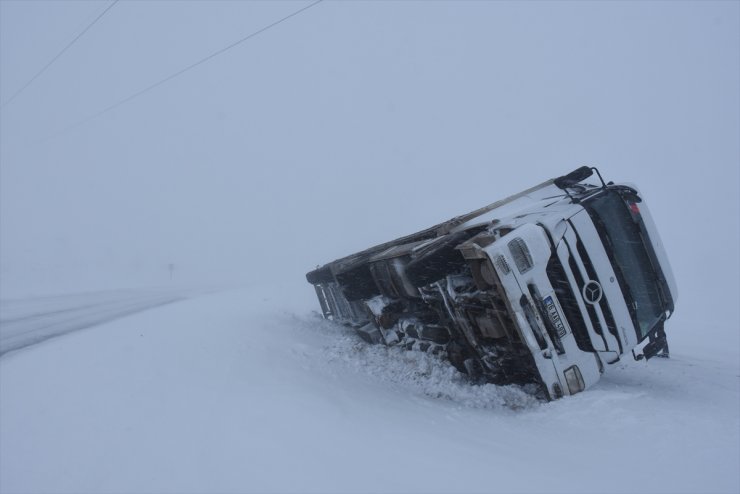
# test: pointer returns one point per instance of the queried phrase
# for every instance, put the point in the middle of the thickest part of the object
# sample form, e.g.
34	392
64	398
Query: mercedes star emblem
592	292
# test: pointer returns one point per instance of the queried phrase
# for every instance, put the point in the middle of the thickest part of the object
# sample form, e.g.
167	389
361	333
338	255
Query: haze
350	124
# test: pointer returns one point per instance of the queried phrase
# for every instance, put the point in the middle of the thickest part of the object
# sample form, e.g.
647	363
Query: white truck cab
549	286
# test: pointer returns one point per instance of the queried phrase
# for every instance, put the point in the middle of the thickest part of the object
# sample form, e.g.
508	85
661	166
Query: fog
350	124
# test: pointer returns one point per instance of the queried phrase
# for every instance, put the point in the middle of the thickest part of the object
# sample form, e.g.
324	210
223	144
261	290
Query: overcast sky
350	124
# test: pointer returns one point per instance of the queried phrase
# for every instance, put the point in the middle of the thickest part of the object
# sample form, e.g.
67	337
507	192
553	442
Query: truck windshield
624	243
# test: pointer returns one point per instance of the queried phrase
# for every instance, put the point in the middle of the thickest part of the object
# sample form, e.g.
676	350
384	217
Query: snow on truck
549	286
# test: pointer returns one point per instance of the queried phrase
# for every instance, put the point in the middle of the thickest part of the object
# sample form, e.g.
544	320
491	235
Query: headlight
574	379
520	253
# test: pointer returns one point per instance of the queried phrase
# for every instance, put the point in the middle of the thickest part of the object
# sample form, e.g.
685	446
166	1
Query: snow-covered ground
24	322
250	391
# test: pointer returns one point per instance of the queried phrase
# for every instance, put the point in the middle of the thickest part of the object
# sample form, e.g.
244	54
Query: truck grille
569	304
592	315
603	304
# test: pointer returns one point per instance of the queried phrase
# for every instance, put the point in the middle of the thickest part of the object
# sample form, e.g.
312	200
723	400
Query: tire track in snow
33	321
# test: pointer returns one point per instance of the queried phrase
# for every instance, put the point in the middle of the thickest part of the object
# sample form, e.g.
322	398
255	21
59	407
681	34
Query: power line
43	69
182	71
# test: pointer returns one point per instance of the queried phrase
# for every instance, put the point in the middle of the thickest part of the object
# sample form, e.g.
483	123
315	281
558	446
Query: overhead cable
43	69
186	69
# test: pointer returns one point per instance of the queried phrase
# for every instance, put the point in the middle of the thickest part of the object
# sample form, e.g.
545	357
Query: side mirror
573	177
657	347
654	348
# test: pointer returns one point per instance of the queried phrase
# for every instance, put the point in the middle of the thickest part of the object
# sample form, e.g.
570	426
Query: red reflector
634	208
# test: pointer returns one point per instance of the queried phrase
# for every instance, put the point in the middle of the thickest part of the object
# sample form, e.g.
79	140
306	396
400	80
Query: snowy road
29	321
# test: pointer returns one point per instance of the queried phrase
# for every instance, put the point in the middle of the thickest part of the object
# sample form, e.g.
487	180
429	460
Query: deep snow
242	391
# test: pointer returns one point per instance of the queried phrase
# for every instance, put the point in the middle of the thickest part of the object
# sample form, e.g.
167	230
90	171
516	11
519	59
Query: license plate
552	311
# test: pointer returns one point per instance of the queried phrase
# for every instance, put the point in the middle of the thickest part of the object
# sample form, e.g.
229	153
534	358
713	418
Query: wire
43	69
182	71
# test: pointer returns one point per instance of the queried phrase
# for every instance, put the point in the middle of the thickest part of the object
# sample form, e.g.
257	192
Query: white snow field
250	391
24	322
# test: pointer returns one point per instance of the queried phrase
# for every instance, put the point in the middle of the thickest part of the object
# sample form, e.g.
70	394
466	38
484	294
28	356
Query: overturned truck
549	286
